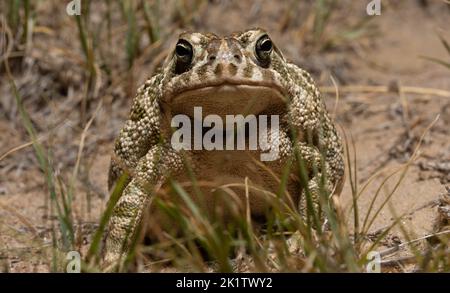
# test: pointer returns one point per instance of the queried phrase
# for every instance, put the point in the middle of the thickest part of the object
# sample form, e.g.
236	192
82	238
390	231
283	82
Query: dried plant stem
387	89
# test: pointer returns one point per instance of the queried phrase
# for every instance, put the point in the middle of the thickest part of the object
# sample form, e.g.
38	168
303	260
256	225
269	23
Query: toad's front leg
319	182
151	171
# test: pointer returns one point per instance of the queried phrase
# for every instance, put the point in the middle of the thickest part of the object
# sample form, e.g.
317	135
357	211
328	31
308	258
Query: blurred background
67	82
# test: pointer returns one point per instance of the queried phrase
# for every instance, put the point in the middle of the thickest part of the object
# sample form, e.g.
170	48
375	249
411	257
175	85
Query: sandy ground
385	128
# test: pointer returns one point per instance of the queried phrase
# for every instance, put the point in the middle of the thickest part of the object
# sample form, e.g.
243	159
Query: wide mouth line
236	83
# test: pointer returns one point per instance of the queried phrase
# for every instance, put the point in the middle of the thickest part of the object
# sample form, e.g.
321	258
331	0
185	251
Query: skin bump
248	70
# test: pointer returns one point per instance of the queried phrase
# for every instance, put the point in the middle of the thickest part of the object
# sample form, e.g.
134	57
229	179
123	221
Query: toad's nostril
212	57
237	57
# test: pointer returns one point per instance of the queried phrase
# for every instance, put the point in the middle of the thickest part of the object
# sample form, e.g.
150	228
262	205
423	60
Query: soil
383	129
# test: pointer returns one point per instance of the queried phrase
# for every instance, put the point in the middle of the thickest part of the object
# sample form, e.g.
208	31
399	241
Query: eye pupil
266	45
263	50
182	50
184	55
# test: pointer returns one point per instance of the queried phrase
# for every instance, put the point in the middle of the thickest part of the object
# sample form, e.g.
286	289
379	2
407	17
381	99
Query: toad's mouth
229	99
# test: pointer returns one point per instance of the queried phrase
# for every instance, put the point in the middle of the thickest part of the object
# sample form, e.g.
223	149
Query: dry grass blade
367	224
353	183
387	89
396	248
336	87
81	145
18	148
23	219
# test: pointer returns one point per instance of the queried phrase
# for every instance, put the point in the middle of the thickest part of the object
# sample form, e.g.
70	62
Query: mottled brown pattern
218	70
213	47
248	71
143	149
233	47
232	69
202	71
268	75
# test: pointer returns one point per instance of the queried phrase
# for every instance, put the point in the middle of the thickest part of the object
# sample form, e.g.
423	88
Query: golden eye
184	54
263	49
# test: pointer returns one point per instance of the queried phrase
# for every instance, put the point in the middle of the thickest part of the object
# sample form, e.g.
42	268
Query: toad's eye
184	54
263	49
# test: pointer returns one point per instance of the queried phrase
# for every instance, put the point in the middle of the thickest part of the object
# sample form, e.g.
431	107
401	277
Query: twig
18	148
387	89
397	247
41	138
21	218
397	261
402	260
